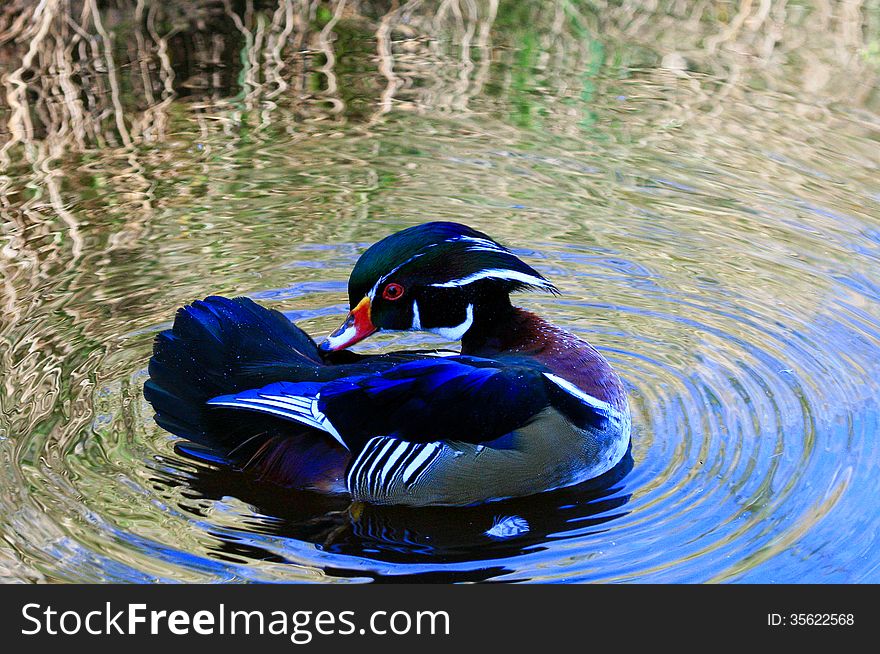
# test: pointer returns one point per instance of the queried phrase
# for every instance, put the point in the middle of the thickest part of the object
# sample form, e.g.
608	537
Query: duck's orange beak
357	327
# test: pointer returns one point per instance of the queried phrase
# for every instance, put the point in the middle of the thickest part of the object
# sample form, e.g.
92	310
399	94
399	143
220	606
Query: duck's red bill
357	327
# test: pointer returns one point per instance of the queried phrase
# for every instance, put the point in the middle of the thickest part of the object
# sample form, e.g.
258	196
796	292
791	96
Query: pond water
702	185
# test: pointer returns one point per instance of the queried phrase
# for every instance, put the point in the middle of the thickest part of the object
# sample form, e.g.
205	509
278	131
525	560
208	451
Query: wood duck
526	406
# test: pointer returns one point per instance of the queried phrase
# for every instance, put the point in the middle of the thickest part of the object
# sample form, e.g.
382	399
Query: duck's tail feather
219	346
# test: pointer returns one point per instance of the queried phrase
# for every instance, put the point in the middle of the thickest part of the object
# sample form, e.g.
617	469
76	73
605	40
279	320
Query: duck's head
439	277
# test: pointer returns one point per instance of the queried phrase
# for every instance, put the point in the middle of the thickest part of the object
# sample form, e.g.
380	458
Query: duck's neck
507	329
504	329
492	320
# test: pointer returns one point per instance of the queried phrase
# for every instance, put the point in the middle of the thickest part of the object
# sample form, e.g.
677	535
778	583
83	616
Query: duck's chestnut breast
562	352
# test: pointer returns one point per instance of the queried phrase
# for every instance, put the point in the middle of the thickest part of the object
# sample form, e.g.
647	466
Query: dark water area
701	181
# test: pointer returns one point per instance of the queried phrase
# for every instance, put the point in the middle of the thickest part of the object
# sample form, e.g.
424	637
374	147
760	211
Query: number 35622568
810	619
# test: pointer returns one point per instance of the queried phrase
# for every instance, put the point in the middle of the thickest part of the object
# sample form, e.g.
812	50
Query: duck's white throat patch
449	333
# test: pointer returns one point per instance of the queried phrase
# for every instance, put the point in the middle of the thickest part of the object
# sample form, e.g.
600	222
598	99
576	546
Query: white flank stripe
495	273
456	333
387	472
389	465
351	480
368	474
571	389
427	451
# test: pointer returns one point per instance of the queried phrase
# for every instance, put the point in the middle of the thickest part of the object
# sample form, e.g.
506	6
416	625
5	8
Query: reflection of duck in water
472	536
527	407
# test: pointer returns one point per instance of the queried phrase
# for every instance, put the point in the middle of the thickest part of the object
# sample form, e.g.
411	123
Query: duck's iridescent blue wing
470	400
456	398
461	398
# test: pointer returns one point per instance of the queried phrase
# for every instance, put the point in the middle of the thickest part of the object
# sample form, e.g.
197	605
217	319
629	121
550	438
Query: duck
524	407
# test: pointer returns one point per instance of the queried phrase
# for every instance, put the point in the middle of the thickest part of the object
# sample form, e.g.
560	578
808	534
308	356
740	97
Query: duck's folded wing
297	401
458	398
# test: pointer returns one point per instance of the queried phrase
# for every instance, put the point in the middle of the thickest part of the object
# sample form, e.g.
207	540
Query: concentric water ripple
753	425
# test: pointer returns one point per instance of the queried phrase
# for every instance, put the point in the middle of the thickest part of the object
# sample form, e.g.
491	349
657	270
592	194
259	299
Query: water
702	187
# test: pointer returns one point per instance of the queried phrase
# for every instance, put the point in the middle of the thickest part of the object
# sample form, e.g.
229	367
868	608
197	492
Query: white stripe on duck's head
440	277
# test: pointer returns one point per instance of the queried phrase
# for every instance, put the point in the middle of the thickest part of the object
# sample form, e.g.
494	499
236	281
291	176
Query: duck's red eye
393	292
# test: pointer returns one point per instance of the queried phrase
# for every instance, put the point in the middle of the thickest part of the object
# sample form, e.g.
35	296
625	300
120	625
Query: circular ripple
749	432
